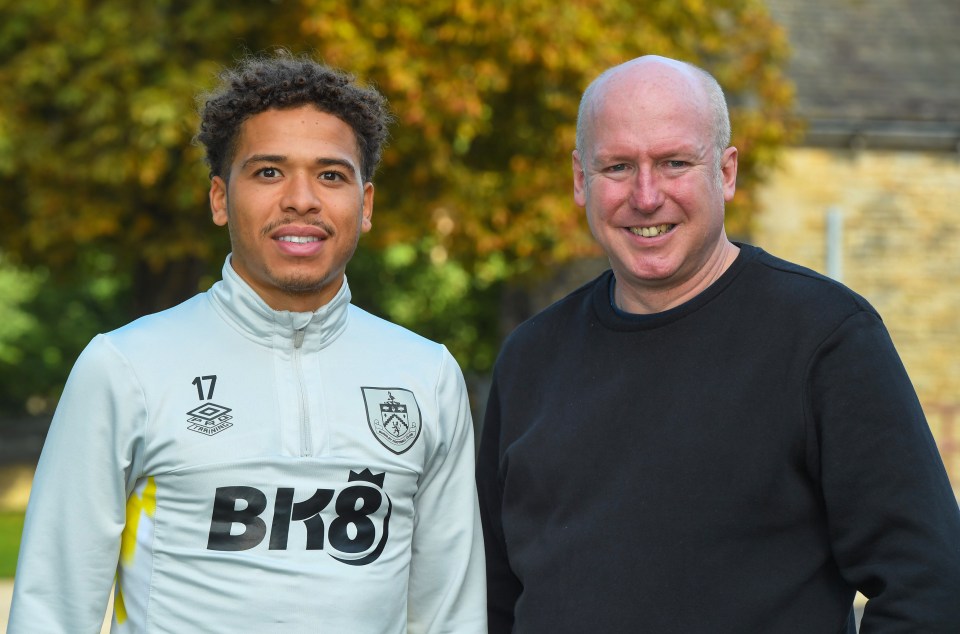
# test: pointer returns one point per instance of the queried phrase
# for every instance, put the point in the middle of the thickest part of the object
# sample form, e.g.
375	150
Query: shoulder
390	338
781	285
172	320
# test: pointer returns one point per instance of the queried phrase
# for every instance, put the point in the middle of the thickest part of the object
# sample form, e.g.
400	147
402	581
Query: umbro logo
208	418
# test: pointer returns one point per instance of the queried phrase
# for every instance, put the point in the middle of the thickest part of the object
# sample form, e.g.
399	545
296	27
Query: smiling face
295	204
649	178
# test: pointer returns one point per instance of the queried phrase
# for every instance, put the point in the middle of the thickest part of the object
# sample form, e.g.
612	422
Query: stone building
871	194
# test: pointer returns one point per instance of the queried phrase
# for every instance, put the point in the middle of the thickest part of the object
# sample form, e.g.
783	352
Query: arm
76	513
893	519
446	569
503	587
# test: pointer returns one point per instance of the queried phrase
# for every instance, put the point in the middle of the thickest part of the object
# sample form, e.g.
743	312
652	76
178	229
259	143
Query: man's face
649	181
295	205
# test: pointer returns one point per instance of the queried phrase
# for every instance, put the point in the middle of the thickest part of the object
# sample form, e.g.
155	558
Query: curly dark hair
259	83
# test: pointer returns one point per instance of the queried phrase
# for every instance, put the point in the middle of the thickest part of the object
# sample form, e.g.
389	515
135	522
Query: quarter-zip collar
243	309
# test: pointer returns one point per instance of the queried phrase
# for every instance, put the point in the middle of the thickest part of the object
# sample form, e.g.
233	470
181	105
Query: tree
95	127
97	115
41	333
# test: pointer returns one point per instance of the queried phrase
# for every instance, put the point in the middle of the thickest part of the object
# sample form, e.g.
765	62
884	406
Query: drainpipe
835	243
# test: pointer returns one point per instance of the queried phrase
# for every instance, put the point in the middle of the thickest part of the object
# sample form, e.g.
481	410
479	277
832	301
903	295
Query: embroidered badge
393	416
209	419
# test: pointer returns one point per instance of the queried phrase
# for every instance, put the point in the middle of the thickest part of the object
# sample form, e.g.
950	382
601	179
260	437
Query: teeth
650	232
299	239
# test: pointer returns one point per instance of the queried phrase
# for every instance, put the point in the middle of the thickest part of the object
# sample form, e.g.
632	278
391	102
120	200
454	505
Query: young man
265	457
705	438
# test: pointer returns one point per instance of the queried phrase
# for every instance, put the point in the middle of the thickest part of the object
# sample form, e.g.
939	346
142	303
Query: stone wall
899	248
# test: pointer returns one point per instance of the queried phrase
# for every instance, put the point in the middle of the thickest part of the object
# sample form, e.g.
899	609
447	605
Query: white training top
240	469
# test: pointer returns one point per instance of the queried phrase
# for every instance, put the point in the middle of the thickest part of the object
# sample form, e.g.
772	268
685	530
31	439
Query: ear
218	201
365	224
579	181
728	173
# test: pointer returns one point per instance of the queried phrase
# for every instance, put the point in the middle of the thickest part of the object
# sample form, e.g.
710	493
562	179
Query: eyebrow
681	151
280	158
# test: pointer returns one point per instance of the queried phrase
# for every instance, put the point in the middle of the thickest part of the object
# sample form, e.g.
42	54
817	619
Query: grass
11	525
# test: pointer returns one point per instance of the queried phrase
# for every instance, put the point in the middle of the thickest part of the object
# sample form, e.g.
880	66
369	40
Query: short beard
300	284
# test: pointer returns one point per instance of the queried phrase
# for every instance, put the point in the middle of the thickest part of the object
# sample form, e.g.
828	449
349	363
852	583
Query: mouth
298	239
652	232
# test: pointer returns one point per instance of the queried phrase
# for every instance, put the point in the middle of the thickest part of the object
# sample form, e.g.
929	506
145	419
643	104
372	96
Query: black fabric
741	463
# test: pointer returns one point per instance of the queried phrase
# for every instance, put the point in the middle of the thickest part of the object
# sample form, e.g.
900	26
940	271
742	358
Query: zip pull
298	337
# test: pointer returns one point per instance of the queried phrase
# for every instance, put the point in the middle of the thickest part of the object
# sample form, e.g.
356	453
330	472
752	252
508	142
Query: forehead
649	105
303	129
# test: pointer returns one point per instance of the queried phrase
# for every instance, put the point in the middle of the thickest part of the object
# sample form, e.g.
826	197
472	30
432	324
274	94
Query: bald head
655	73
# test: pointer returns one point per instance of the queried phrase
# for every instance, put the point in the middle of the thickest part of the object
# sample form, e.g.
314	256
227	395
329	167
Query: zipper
306	441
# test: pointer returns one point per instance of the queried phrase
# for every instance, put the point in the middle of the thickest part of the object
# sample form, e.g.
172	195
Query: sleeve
893	520
76	513
503	586
446	569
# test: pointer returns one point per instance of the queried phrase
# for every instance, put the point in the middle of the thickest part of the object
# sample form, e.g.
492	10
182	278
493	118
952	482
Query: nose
300	194
647	195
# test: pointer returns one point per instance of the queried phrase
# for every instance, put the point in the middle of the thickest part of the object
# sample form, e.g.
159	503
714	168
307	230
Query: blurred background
846	114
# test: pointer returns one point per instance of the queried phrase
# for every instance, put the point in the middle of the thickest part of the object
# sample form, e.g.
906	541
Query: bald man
705	438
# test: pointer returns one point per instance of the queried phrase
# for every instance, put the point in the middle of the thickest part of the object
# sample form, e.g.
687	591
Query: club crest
393	416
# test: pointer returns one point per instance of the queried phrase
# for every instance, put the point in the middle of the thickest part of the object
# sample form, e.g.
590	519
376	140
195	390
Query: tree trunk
158	289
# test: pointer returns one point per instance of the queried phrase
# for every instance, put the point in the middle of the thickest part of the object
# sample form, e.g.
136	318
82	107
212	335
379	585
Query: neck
656	299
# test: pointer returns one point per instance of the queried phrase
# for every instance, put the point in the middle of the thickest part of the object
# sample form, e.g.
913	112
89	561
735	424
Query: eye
619	167
677	164
332	176
268	172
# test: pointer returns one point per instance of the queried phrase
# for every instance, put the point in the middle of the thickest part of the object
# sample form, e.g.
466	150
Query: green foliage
417	286
11	526
17	287
97	116
44	326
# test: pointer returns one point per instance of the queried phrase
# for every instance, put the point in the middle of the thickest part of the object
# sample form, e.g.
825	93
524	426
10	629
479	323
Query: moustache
319	224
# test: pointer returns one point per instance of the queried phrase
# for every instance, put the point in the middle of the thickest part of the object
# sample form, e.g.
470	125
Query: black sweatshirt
741	463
